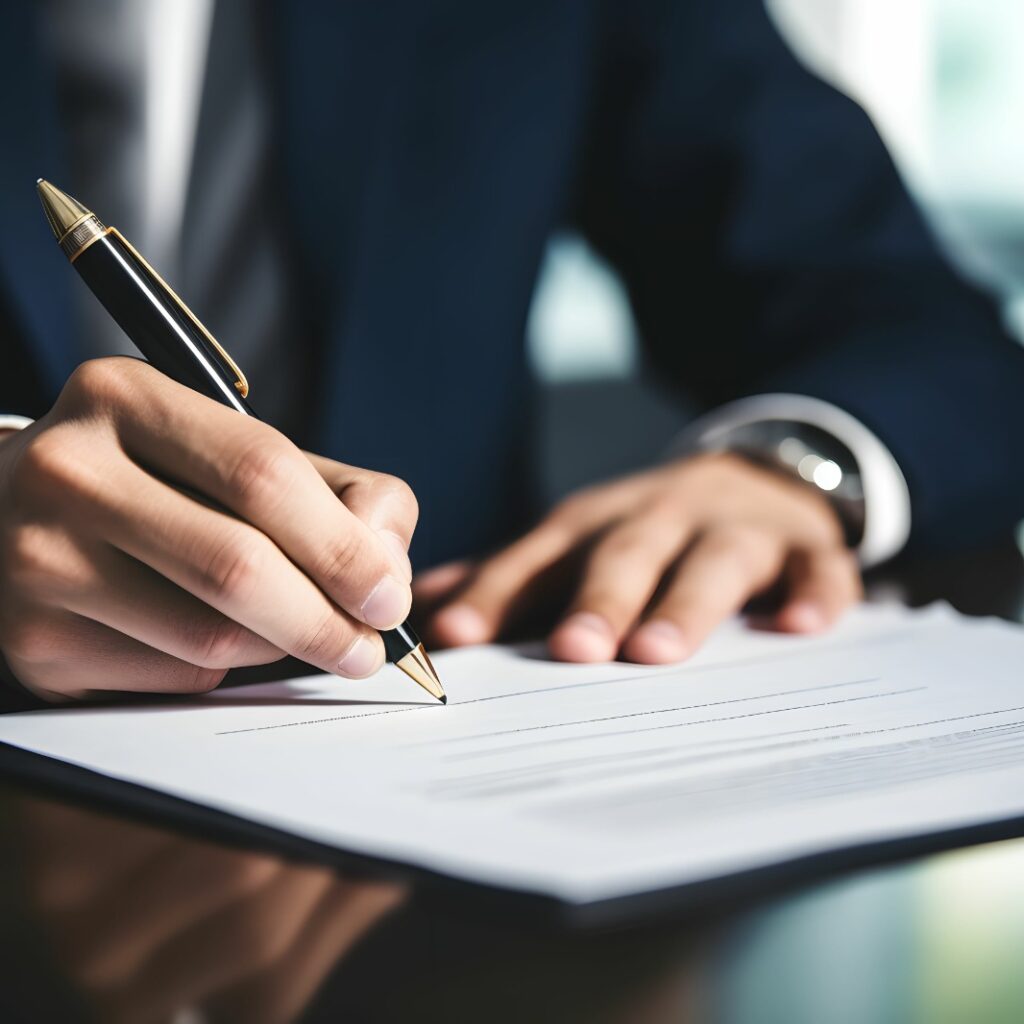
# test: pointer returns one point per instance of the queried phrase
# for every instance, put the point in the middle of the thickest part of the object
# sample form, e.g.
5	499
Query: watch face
811	455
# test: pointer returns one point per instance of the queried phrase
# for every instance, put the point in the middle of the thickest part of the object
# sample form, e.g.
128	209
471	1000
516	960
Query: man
357	203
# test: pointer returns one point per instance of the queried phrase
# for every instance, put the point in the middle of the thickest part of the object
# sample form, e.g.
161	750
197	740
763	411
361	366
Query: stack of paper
586	783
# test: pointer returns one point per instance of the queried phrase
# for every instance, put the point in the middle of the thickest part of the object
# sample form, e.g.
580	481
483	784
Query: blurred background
943	81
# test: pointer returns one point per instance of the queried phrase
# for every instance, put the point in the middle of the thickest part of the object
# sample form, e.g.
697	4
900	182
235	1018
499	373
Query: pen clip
241	384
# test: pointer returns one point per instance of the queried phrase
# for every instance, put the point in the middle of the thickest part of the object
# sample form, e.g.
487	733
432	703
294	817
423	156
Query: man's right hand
151	539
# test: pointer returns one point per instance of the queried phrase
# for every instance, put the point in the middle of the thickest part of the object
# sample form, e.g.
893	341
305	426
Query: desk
105	918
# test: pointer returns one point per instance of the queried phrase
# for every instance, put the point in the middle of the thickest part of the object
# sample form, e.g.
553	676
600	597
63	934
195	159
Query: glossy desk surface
106	918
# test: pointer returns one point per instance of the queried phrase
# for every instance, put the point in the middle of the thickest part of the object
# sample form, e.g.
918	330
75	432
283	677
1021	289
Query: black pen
171	337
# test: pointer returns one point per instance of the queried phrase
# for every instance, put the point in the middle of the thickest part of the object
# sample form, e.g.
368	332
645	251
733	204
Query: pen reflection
149	926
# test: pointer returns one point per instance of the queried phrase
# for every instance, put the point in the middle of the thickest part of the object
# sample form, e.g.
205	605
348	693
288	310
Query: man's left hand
645	567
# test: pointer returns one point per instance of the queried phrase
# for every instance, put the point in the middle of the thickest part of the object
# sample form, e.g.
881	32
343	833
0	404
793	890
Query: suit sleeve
769	245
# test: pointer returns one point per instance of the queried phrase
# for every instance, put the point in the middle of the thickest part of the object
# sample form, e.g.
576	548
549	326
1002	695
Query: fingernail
660	640
586	636
396	546
462	624
387	604
359	660
806	616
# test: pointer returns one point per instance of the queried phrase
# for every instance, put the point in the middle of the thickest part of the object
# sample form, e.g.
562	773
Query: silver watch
805	453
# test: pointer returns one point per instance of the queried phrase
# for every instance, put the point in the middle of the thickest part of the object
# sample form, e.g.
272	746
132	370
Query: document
586	783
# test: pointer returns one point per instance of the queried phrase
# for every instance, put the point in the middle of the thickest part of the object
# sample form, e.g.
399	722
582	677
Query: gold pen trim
81	220
241	384
90	229
77	228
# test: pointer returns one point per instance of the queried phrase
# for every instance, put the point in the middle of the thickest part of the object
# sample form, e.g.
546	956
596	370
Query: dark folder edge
47	776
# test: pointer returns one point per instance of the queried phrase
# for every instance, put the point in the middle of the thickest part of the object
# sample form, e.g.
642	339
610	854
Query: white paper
589	782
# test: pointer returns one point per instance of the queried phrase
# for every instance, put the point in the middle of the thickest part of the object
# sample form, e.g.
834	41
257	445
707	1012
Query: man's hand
646	567
151	539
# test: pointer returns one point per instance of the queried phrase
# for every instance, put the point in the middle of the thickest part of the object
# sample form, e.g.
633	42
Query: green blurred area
944	81
976	139
934	942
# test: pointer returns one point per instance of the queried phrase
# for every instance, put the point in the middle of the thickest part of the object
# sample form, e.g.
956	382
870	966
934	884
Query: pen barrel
155	322
399	642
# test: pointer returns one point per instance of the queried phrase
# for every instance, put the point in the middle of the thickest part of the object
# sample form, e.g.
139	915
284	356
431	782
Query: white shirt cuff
15	422
886	495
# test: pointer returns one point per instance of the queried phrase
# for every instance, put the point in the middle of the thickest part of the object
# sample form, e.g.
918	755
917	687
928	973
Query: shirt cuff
886	496
15	422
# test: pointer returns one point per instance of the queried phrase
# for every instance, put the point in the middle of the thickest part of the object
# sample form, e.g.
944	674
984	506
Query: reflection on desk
145	924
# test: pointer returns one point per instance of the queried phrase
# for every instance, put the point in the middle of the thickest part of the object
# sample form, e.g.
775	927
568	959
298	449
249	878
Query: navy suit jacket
429	149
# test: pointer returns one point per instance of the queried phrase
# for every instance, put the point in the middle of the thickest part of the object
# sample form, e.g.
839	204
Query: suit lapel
34	273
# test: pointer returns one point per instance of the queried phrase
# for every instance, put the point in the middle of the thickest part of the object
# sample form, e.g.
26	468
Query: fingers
134	600
89	659
384	503
500	585
717	576
102	584
436	587
257	473
621	575
279	580
441	581
237	570
525	573
822	585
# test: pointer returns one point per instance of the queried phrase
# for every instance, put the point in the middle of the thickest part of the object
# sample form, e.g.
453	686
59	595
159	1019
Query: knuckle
50	462
750	548
623	545
341	562
746	540
219	644
399	494
263	474
201	680
668	508
26	555
99	382
322	643
40	562
233	571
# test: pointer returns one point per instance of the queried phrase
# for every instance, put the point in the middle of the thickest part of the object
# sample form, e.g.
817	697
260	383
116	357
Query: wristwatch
805	453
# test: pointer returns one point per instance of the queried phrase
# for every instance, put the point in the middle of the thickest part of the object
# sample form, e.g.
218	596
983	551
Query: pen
173	340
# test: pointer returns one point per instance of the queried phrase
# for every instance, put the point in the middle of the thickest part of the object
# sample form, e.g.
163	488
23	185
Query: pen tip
416	664
444	698
39	181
